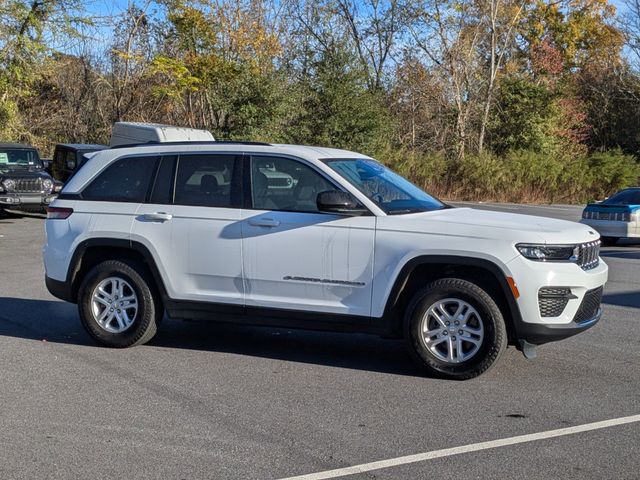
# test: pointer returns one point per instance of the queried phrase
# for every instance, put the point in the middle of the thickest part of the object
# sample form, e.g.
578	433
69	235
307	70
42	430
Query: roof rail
197	142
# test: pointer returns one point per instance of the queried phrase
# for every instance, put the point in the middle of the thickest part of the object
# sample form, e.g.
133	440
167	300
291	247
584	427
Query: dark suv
68	157
24	184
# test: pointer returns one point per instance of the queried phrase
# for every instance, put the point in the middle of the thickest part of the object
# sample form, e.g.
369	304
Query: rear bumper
60	289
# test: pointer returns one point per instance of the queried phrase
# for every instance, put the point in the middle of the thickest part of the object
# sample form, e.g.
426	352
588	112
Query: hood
23	171
472	223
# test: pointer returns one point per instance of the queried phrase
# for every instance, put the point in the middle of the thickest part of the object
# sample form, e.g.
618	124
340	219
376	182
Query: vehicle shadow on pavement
58	322
623	299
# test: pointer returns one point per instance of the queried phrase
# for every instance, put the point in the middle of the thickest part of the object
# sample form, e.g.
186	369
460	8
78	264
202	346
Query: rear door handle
264	222
157	217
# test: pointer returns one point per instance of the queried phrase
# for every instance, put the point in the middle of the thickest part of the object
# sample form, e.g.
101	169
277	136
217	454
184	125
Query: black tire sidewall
494	340
145	322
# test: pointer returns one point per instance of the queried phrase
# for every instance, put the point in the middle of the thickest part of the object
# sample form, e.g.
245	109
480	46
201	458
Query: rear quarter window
125	180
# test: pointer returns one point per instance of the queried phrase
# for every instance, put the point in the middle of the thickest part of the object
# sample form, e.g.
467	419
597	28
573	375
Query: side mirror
341	203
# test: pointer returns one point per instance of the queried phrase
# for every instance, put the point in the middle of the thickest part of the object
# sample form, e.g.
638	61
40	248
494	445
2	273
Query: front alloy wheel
454	329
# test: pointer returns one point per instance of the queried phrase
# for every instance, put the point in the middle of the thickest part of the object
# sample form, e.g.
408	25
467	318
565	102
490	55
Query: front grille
28	185
553	300
589	306
588	255
612	216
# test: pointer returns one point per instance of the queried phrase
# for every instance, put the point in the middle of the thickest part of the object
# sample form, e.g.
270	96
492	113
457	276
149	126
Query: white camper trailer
134	133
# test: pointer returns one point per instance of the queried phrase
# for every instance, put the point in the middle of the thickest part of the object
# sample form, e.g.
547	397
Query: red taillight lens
59	213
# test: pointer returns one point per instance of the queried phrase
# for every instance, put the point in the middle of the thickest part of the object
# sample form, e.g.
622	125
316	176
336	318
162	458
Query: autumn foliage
477	99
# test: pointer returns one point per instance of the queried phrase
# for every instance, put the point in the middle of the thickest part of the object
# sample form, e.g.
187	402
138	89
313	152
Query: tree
27	30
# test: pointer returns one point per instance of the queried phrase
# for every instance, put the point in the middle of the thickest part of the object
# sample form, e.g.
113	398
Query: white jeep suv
312	238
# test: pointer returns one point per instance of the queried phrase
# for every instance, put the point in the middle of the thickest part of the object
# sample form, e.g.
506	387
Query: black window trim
152	187
248	183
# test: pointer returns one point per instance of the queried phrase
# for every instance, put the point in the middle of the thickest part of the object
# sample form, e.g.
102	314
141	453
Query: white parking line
474	447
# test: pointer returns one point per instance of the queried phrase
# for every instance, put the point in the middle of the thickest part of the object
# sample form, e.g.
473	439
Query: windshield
391	192
10	157
625	197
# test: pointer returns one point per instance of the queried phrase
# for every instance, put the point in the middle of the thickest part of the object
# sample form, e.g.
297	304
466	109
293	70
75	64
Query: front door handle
264	222
157	217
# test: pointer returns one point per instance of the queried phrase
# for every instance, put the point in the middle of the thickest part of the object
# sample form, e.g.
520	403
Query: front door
296	257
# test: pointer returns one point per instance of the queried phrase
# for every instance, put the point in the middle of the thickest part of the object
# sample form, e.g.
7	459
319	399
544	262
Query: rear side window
125	180
206	181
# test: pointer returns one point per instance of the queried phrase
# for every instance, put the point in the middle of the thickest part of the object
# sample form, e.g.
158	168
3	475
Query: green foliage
524	113
524	176
611	171
428	170
339	110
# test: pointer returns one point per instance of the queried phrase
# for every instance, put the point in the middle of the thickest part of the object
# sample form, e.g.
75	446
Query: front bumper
610	228
531	277
538	334
19	201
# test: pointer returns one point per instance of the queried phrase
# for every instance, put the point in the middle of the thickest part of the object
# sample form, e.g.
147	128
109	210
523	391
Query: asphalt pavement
207	401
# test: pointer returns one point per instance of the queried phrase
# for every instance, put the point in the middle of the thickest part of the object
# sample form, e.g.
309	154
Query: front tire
118	304
454	329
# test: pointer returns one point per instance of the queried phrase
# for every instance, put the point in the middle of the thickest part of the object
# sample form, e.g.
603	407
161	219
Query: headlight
47	185
548	253
9	184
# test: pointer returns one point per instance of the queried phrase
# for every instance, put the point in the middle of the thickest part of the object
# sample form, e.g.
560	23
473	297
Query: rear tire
454	329
609	241
119	305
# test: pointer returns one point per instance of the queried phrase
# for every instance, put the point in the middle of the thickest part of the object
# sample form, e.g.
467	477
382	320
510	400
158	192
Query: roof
16	145
83	146
101	159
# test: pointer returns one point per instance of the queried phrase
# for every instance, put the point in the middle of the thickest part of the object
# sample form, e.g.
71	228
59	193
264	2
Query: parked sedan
616	217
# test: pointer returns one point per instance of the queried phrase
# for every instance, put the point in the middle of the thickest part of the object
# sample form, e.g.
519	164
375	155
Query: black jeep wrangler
24	183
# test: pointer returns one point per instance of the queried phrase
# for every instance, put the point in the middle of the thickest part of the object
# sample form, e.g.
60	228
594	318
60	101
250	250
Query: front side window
391	192
285	184
125	180
206	181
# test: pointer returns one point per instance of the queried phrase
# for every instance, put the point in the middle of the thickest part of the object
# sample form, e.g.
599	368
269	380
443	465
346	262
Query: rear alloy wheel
118	304
454	329
114	305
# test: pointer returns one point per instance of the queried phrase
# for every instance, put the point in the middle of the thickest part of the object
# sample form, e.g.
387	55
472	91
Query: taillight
58	213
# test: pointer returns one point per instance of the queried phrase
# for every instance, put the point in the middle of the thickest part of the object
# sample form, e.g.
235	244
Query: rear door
295	257
115	195
192	225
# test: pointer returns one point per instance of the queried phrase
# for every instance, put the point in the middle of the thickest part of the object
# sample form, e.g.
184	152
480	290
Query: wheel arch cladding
93	251
421	270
